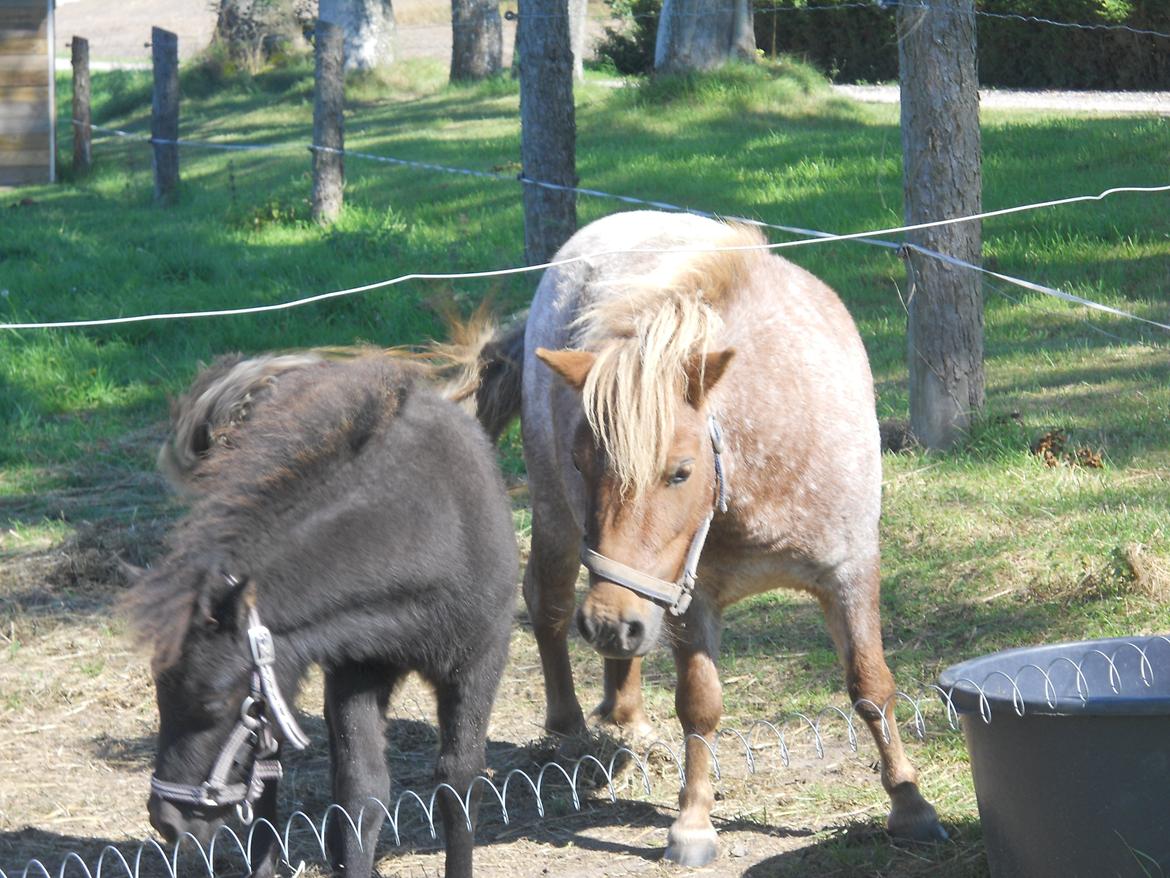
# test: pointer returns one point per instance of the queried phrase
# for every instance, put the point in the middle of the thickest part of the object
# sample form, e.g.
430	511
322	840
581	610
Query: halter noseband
674	596
252	732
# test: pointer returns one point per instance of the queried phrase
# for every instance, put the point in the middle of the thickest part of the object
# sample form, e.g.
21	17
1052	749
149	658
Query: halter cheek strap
252	734
674	596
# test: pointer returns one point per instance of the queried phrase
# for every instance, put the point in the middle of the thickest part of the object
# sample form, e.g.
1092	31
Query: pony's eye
681	474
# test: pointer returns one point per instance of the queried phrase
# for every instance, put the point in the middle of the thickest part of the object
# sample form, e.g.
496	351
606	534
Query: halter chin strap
252	734
674	596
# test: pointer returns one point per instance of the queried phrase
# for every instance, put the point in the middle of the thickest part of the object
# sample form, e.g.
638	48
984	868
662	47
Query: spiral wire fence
1063	683
1059	685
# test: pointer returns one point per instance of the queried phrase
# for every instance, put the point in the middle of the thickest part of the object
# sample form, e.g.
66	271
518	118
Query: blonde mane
644	331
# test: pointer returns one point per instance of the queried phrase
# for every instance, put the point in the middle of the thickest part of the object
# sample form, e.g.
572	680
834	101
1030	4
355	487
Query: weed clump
1055	450
1130	570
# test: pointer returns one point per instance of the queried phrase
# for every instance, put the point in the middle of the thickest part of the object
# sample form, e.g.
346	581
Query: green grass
983	548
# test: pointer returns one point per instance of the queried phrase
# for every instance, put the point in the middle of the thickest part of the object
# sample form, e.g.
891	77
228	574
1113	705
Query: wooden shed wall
27	101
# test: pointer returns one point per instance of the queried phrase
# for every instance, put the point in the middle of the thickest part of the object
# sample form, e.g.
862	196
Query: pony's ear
572	366
222	602
703	372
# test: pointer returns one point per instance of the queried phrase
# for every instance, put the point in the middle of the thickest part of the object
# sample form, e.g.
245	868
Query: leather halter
252	733
674	596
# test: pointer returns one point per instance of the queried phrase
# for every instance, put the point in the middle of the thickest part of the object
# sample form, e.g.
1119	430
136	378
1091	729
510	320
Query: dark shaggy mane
313	422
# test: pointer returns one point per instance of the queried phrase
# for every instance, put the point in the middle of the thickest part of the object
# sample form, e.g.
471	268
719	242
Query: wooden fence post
82	132
164	114
548	127
328	119
942	177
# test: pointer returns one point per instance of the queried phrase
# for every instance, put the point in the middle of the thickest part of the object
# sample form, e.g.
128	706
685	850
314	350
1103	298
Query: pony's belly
730	581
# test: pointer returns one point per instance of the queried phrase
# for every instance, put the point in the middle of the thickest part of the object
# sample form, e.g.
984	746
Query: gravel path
1157	102
121	37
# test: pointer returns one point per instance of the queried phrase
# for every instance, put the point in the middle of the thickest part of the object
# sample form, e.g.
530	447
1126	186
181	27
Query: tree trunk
578	15
477	39
548	128
370	31
239	31
942	177
329	123
251	31
703	34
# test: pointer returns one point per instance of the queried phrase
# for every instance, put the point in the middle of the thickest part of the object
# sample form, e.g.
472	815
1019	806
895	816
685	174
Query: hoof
568	725
922	827
635	730
692	847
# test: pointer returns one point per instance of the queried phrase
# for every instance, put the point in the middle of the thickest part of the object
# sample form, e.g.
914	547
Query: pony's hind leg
355	710
851	612
549	578
465	703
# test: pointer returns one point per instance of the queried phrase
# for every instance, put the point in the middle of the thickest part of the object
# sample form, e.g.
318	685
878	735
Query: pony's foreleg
548	592
465	703
853	619
355	708
692	840
622	705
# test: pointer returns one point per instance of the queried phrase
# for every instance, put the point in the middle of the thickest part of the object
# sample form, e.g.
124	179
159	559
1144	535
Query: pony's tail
220	398
481	368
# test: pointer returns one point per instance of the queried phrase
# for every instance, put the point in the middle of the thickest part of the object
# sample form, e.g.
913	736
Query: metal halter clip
263	649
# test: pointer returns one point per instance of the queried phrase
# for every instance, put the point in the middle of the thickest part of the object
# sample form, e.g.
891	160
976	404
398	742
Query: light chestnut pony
626	356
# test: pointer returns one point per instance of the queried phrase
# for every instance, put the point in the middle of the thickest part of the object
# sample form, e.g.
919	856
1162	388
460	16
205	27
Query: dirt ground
77	724
424	28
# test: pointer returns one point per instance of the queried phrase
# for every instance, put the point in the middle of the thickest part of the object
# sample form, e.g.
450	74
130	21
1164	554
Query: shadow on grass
866	850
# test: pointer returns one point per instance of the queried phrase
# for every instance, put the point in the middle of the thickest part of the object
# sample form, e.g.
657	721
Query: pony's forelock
644	330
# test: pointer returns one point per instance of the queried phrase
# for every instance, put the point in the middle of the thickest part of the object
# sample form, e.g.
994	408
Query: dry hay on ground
77	723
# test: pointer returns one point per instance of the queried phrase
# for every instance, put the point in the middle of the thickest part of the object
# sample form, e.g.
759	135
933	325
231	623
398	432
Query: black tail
485	364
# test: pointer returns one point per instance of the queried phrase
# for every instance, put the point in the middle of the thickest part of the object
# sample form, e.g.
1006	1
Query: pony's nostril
586	627
635	631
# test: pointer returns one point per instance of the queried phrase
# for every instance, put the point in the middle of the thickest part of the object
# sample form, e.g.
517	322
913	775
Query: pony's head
646	357
196	616
645	522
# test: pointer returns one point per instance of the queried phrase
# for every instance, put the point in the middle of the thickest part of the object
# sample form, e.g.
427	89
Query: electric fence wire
877	5
809	236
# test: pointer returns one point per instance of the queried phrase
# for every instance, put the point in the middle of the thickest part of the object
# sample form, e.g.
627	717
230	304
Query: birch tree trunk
703	34
578	15
942	177
548	128
370	31
477	39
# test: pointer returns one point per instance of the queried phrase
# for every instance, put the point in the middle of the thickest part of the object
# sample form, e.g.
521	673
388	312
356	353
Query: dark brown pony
347	516
713	385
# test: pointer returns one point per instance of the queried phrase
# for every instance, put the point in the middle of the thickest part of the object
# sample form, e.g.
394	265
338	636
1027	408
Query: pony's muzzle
169	821
623	634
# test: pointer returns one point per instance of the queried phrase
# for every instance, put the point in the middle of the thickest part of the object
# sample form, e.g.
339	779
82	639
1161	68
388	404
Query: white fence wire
810	237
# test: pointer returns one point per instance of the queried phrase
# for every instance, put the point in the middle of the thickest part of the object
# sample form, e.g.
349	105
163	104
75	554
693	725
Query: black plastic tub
1070	752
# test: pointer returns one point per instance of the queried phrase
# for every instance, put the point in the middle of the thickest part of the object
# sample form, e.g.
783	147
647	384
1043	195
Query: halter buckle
262	646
